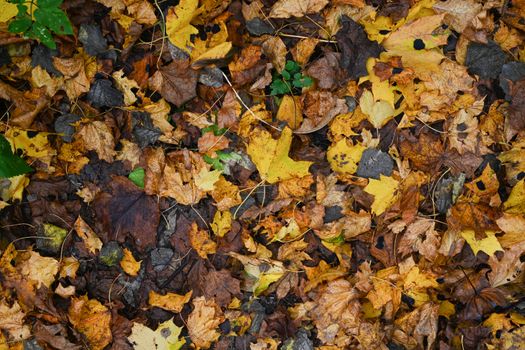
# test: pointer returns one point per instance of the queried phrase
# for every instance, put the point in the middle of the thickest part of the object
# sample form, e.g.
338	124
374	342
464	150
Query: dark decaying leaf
373	163
64	126
43	56
143	129
127	212
485	60
355	47
511	72
103	94
91	36
259	27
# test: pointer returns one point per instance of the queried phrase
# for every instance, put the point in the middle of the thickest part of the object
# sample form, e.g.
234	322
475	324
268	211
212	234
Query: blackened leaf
512	71
126	211
92	38
10	164
373	163
144	130
42	56
211	76
5	58
103	94
176	82
356	48
259	27
485	60
64	126
111	254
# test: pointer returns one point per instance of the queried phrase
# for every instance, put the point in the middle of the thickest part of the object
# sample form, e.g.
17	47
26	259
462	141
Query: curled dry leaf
92	319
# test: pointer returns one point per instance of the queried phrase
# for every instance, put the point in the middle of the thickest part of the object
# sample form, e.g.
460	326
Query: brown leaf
247	66
296	8
203	322
124	209
176	82
221	286
96	136
27	104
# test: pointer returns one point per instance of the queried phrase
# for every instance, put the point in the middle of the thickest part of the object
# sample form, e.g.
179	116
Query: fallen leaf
384	191
86	233
343	157
200	241
170	301
96	136
222	223
178	27
176	82
296	8
515	204
203	322
271	156
12	321
129	264
165	337
92	319
488	245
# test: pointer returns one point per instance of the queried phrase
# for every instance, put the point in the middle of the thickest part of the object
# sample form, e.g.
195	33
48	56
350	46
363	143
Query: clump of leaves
11	164
47	18
289	79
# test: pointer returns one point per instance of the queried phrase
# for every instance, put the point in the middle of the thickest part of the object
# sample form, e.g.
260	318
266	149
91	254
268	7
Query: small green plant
217	163
215	129
137	177
289	79
47	18
11	164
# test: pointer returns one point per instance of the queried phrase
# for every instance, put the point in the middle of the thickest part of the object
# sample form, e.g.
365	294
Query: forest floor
291	174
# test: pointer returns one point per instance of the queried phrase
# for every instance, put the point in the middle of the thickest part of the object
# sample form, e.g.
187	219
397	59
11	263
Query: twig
245	106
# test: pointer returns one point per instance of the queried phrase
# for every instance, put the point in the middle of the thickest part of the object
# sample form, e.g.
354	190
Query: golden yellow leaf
8	11
92	319
379	112
260	272
125	85
165	337
86	233
200	241
515	204
291	111
222	223
15	189
384	191
216	53
178	27
489	244
343	157
171	301
36	146
271	156
203	322
129	264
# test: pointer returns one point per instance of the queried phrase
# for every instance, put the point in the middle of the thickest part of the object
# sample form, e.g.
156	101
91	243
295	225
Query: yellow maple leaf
125	85
200	241
271	156
222	222
129	264
203	322
515	204
205	180
8	11
165	337
291	111
178	27
384	191
489	244
171	301
343	157
92	319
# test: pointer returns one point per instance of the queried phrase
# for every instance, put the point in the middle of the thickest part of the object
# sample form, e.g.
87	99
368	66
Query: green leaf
279	87
286	75
10	164
215	162
215	129
292	67
20	25
55	19
49	3
22	10
303	82
137	177
38	31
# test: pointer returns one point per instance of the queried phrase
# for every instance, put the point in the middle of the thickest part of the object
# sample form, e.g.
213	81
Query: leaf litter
344	174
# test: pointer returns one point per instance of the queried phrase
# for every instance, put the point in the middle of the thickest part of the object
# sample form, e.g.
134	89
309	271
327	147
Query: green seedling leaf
54	19
40	32
10	164
215	129
20	25
137	177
